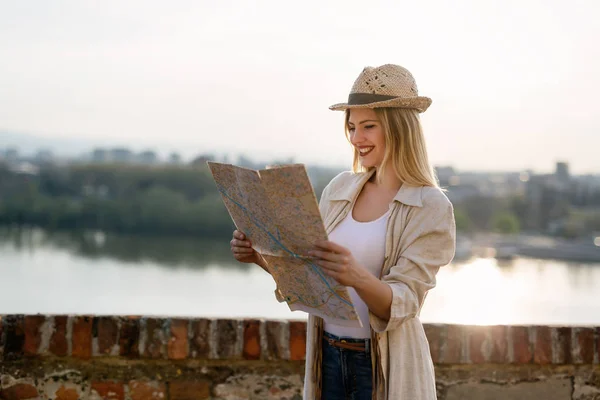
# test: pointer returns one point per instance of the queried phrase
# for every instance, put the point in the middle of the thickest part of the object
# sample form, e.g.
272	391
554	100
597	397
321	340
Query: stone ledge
152	338
115	378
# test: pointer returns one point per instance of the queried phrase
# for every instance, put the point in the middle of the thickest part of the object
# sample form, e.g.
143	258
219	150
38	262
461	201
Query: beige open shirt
420	238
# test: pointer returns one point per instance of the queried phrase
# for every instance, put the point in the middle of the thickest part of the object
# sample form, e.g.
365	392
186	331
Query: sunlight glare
478	293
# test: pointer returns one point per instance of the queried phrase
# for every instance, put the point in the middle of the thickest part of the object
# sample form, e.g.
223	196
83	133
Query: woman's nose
356	136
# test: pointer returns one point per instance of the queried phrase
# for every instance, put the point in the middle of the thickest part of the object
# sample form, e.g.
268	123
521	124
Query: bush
506	222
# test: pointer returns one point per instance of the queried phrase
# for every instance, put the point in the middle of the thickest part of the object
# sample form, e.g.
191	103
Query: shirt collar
407	194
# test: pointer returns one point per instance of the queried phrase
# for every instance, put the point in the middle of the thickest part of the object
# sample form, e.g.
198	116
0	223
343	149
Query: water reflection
166	251
88	273
521	291
483	297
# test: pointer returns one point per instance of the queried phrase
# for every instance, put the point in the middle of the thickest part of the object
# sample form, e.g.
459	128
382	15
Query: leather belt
342	344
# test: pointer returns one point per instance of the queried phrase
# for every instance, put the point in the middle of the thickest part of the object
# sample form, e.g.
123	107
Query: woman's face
367	136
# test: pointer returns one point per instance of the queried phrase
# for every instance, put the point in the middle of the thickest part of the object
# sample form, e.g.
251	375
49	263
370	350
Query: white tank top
366	241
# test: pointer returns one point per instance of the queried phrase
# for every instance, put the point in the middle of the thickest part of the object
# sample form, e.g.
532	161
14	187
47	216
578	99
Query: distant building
459	193
175	159
100	156
147	157
121	155
585	191
548	199
445	175
44	156
462	186
562	173
243	161
202	159
11	155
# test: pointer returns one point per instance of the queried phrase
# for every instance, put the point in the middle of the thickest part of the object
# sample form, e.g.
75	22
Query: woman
390	228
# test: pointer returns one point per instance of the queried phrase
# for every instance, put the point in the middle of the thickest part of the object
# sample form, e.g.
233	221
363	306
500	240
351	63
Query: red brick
228	337
585	339
433	333
141	390
189	390
499	353
33	334
297	340
109	390
453	346
276	345
521	346
200	341
155	338
129	337
20	391
479	344
543	345
1	339
177	347
107	334
14	336
82	337
563	346
252	339
64	393
58	340
598	344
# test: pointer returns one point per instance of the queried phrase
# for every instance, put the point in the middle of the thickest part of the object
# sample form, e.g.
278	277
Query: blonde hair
405	147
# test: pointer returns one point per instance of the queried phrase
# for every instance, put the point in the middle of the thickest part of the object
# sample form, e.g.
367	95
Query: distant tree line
488	214
183	200
513	214
120	198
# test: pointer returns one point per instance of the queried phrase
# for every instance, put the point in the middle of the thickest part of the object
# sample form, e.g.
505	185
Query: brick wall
76	357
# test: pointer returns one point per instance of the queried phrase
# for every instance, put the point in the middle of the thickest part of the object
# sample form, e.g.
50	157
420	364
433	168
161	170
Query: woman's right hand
243	252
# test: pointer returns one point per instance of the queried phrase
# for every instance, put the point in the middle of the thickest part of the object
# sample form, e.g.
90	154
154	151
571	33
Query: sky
514	83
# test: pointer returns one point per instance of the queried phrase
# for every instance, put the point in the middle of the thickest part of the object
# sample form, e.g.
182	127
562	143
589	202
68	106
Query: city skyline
513	84
148	155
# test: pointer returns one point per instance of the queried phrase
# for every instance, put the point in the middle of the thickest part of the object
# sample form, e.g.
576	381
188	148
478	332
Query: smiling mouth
363	151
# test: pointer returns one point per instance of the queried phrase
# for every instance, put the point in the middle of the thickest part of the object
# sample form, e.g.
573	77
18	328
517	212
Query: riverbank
584	250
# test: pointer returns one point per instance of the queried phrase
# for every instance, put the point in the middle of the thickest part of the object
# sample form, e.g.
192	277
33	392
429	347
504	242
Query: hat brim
420	103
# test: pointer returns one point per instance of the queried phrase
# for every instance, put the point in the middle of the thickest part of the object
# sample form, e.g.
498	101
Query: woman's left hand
337	262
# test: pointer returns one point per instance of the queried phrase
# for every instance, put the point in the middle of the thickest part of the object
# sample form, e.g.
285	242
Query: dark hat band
355	99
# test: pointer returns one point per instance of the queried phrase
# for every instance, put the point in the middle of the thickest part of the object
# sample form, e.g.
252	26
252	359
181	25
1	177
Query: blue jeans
347	374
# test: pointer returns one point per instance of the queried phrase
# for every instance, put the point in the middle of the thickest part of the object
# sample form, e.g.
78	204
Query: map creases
277	210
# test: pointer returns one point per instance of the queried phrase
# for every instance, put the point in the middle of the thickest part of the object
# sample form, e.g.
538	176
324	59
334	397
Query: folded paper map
277	210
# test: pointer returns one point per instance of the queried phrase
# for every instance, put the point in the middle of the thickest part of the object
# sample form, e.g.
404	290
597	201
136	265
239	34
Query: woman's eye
350	129
369	126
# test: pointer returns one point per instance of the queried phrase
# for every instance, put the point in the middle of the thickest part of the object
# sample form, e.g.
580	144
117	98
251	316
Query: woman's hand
243	252
338	262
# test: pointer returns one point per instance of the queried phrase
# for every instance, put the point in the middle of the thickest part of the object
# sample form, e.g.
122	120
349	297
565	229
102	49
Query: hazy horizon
58	147
513	83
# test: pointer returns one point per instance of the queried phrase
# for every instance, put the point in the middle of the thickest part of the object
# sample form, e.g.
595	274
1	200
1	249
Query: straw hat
386	86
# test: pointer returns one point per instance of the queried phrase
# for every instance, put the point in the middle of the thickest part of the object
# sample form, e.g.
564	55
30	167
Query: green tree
506	222
463	222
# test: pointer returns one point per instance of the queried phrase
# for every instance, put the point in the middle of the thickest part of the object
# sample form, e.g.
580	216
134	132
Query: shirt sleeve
427	243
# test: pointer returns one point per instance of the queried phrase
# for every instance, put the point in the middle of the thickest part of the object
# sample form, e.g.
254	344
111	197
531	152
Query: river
93	273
